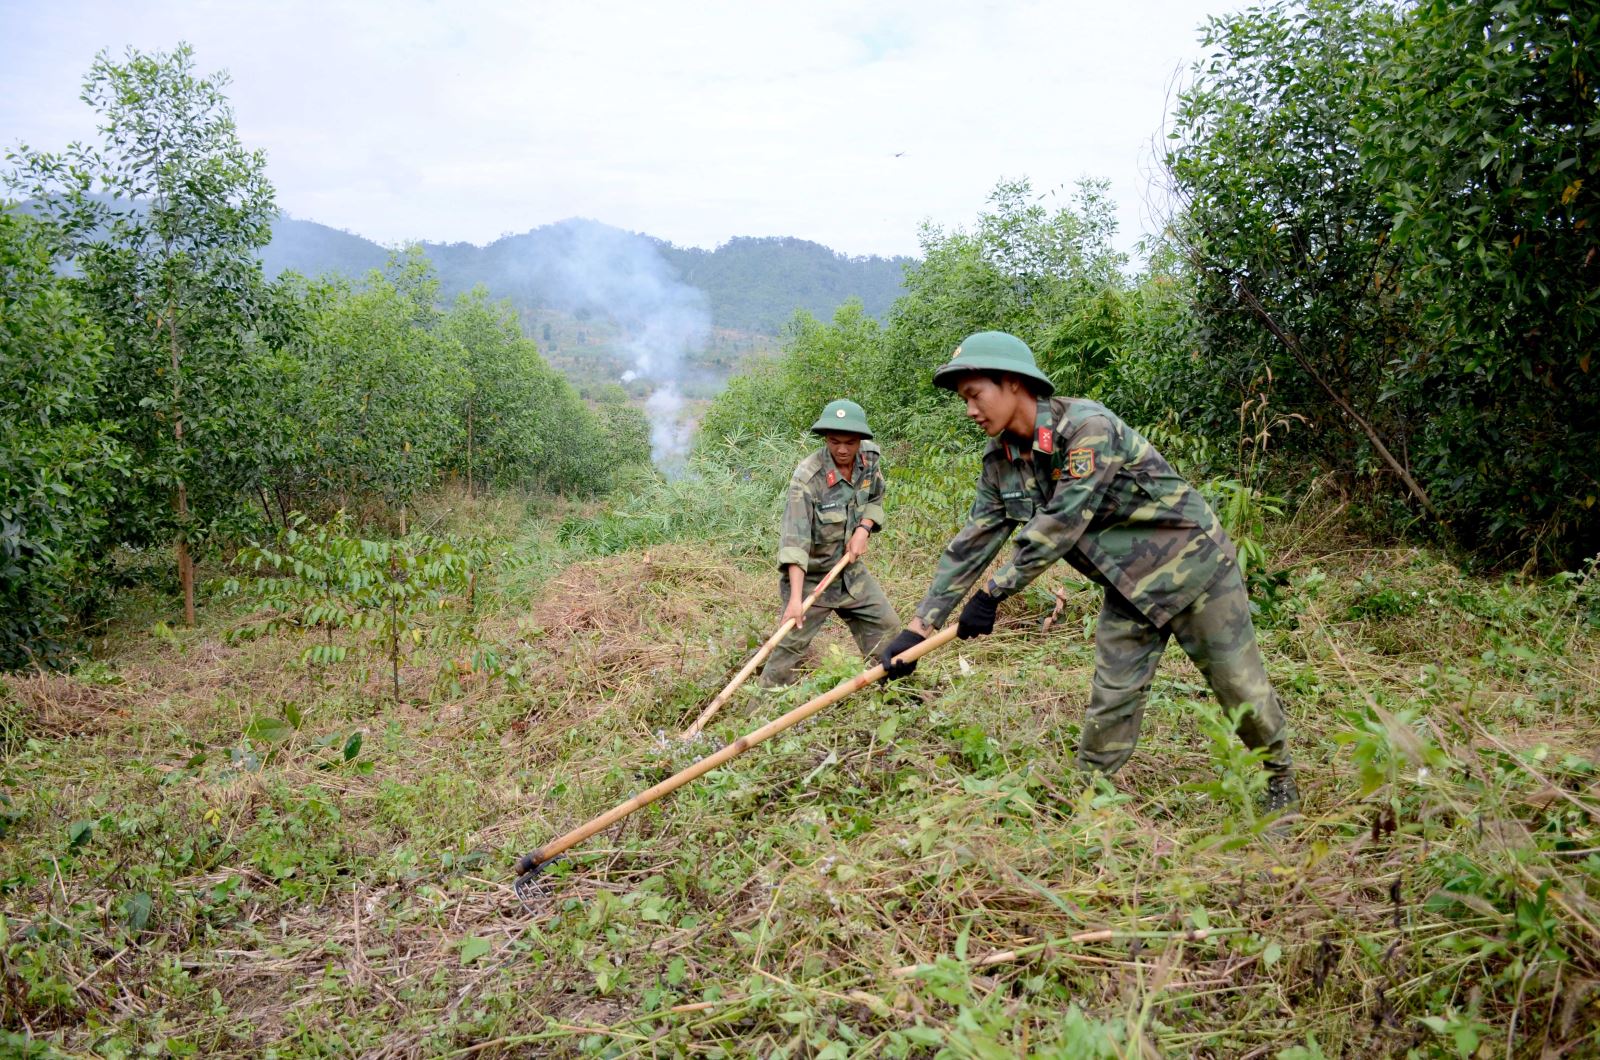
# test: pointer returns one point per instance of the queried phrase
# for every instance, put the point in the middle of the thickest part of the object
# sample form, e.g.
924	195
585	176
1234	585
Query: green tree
1389	215
61	466
1296	304
379	395
162	221
1050	276
487	338
374	389
524	424
1483	138
1159	343
755	404
781	399
624	442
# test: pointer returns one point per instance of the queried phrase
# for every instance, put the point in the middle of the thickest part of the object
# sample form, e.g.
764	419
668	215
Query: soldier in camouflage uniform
835	505
1085	487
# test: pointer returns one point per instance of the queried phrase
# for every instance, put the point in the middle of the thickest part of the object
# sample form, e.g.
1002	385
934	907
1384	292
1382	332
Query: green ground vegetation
228	840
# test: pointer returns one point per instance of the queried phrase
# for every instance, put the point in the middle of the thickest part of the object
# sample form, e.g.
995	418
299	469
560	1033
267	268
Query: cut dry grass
917	869
58	705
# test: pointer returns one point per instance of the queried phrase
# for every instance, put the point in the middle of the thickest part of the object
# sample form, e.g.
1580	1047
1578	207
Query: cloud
840	122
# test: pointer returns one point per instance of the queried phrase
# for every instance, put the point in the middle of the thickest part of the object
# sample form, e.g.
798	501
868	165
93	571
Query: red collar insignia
1045	442
833	476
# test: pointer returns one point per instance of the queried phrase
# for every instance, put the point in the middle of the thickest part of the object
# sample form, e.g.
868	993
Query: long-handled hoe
766	649
530	865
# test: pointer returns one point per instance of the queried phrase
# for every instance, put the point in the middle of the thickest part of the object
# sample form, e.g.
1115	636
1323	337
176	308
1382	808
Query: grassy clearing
200	857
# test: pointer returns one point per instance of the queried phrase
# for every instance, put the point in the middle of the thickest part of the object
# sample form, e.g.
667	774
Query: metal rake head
530	890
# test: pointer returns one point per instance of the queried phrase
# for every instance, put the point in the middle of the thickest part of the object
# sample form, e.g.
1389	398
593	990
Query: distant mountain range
750	284
609	306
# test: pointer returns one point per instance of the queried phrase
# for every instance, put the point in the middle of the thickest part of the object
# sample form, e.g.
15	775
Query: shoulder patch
813	464
1080	462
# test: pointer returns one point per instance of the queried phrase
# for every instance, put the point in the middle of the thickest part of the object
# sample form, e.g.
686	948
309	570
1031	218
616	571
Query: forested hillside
327	600
756	284
751	284
313	249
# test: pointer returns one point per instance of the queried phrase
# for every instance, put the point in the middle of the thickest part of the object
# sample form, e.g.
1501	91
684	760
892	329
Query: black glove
903	640
977	618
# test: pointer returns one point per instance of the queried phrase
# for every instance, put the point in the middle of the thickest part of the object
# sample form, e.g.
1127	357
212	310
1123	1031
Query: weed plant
322	579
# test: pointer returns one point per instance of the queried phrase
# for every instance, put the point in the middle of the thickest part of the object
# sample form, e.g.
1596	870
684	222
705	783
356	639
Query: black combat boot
1282	800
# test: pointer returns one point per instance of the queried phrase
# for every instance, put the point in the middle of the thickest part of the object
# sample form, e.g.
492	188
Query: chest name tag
1012	495
825	507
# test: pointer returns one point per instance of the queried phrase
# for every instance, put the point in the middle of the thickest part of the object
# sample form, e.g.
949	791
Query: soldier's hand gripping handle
977	618
893	671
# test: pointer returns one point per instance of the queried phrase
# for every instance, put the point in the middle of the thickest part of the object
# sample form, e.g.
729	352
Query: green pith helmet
992	351
842	417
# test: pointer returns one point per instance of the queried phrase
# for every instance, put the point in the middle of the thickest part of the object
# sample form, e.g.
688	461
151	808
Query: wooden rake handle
766	649
532	862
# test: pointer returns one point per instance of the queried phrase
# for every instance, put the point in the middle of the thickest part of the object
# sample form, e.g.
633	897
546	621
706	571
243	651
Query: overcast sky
846	123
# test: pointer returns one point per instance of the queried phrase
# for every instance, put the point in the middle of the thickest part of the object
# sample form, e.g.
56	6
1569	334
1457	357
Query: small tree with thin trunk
161	222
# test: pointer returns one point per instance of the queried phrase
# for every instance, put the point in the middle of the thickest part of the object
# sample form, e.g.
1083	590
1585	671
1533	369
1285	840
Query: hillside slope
212	846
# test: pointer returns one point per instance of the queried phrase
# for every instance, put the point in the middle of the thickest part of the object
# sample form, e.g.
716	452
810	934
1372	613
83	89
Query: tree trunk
266	505
1292	344
394	645
185	561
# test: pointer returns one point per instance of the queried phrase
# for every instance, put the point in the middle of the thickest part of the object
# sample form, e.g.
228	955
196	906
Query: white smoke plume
588	266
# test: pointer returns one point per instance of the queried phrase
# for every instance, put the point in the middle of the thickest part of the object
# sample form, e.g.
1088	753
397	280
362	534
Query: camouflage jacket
1094	492
824	510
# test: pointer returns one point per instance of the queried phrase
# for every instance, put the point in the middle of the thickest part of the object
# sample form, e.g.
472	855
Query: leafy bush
1392	220
61	466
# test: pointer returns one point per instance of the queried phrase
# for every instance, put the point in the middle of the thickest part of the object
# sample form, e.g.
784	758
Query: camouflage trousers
863	607
1216	632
